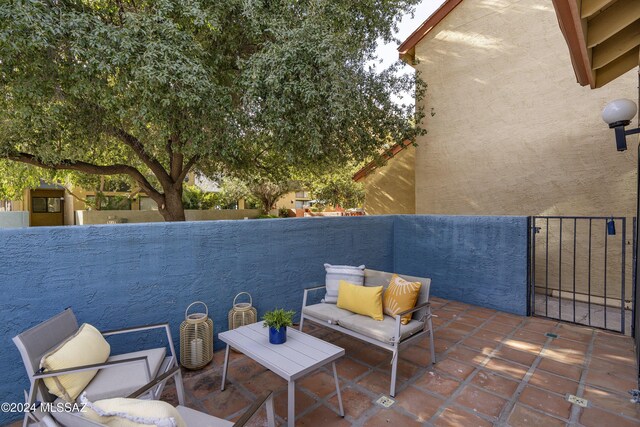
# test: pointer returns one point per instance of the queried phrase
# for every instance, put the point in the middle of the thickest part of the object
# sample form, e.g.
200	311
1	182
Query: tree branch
90	168
75	196
192	161
175	158
135	144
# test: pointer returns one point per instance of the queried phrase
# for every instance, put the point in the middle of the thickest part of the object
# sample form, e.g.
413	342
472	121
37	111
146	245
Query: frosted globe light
619	110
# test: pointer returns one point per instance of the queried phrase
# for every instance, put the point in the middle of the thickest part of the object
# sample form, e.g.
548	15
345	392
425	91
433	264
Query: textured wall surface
129	274
512	133
477	260
390	189
137	216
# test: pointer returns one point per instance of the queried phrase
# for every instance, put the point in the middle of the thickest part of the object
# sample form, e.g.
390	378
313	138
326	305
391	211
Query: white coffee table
297	357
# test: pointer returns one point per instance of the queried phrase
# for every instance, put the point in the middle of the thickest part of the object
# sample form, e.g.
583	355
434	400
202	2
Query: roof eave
407	49
385	156
570	23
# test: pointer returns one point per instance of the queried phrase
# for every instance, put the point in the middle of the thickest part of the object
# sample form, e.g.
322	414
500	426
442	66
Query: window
302	194
45	204
303	204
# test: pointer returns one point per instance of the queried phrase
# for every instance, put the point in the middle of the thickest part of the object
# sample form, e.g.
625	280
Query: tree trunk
267	203
173	210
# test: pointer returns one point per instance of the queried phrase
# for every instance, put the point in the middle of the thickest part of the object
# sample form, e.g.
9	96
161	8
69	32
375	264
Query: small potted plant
277	320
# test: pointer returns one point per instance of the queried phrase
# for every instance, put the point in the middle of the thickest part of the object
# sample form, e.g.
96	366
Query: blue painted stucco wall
477	260
129	274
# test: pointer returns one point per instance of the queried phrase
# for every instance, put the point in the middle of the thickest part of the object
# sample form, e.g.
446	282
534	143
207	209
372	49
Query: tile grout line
352	383
431	368
575	409
511	403
451	399
376	409
372	411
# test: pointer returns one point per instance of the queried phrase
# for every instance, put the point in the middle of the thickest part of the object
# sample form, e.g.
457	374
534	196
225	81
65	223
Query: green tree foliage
267	193
15	178
259	190
337	189
152	89
232	190
195	198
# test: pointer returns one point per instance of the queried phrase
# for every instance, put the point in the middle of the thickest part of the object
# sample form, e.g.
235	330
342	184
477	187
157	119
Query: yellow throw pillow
85	347
365	300
400	296
122	412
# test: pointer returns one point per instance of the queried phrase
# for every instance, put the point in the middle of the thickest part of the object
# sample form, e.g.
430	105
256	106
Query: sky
388	53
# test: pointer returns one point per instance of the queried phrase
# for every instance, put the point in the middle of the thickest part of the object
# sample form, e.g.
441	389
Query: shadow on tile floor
492	368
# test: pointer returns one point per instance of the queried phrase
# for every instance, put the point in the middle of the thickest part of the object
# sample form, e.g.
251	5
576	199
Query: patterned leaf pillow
400	296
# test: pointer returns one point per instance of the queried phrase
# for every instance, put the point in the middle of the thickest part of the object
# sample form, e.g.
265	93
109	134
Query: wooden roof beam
612	20
618	67
591	7
407	49
616	46
572	27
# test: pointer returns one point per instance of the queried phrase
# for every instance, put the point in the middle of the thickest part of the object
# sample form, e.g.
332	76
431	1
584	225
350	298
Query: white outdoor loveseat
389	334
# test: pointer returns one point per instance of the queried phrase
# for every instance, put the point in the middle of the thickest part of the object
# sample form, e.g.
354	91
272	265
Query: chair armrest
306	293
93	367
171	372
165	326
266	396
313	288
134	329
398	316
416	308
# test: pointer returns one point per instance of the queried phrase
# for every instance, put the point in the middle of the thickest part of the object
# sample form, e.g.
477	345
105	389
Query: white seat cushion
379	330
199	419
325	312
123	380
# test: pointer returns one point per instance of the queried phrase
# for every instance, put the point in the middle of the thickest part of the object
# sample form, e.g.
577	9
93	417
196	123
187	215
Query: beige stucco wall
102	217
390	189
288	201
512	133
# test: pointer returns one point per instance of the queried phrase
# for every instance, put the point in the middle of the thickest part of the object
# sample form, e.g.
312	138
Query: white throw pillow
335	273
86	347
123	412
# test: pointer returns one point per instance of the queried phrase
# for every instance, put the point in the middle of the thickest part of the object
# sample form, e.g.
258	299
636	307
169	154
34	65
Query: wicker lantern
196	338
242	313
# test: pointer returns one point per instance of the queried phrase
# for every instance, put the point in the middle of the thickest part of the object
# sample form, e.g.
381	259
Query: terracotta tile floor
493	369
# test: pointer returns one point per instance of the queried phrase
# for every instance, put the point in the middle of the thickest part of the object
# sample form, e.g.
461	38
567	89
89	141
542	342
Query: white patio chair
119	376
191	417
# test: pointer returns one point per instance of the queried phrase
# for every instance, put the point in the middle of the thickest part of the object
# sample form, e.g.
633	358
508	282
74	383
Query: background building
511	133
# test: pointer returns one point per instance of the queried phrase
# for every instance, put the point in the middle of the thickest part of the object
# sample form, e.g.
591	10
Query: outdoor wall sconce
618	114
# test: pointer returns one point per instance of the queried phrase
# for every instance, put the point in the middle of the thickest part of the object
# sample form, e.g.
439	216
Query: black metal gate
579	271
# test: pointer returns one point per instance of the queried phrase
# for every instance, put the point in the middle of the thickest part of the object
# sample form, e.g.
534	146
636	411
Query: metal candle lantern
196	338
242	313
